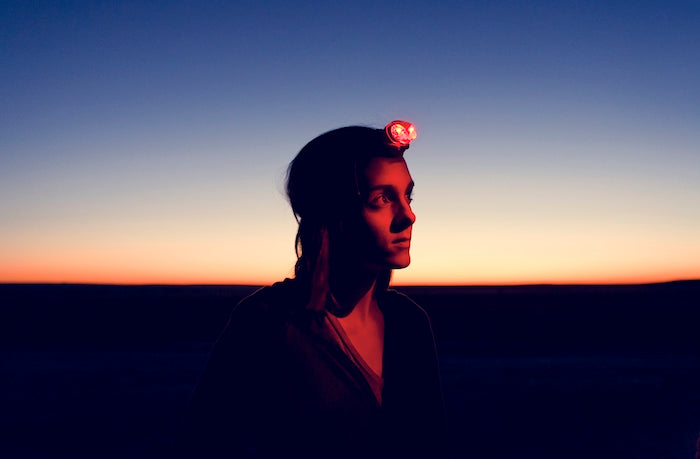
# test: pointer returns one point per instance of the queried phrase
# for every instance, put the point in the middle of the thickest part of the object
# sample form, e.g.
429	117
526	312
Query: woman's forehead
387	171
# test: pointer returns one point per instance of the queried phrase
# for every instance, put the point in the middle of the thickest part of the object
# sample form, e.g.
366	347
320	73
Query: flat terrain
91	371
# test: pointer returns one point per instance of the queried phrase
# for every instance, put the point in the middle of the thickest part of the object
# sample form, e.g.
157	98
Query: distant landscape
545	371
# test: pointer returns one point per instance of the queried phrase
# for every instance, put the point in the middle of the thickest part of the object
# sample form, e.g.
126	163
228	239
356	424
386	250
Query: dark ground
528	372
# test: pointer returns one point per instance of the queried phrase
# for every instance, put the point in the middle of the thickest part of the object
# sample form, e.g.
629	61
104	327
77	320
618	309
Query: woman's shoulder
399	304
257	314
394	297
274	299
408	327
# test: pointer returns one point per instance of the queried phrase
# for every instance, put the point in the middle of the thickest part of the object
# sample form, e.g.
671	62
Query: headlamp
400	133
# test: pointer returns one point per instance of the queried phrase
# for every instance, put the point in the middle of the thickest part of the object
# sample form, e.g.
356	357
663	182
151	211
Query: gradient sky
146	142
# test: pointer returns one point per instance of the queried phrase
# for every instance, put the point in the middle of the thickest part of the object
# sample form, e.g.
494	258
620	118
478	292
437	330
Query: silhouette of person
331	363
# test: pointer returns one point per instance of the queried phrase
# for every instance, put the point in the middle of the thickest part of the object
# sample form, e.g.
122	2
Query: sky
147	142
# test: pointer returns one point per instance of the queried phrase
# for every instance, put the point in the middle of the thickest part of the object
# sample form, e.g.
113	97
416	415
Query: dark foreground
528	372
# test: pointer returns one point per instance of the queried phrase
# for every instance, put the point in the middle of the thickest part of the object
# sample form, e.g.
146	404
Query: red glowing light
401	133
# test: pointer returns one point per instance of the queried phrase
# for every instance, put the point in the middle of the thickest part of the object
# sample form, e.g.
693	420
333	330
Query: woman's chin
400	262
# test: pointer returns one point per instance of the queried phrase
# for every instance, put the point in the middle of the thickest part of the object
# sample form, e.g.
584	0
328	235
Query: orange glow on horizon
212	259
114	276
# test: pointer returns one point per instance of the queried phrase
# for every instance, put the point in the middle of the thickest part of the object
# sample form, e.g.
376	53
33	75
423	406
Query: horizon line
399	285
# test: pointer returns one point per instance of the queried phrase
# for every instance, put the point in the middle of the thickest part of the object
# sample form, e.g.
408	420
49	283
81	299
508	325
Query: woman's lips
402	242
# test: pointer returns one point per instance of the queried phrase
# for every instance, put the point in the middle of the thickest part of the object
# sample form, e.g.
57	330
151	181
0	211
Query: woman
331	363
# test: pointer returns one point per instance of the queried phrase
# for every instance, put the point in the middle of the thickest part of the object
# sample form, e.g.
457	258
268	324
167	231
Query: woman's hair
323	188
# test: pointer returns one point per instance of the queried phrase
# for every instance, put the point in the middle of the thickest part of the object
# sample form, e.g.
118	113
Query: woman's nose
409	213
404	216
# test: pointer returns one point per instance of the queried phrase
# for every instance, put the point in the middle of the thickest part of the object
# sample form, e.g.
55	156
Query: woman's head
350	192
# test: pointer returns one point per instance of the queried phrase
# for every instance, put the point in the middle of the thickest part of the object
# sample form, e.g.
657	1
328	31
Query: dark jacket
278	385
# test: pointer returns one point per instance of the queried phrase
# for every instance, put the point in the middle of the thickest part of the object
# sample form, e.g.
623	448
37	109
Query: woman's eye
380	201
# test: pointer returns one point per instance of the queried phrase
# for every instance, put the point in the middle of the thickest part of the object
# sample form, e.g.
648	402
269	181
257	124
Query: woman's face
383	236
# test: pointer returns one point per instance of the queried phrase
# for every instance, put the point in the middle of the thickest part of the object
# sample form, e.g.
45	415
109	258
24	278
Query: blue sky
147	141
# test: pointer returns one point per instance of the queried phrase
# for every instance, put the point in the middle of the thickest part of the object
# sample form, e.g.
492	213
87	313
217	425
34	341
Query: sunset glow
558	142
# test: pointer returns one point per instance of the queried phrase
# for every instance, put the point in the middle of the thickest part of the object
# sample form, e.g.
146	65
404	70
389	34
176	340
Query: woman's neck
353	291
